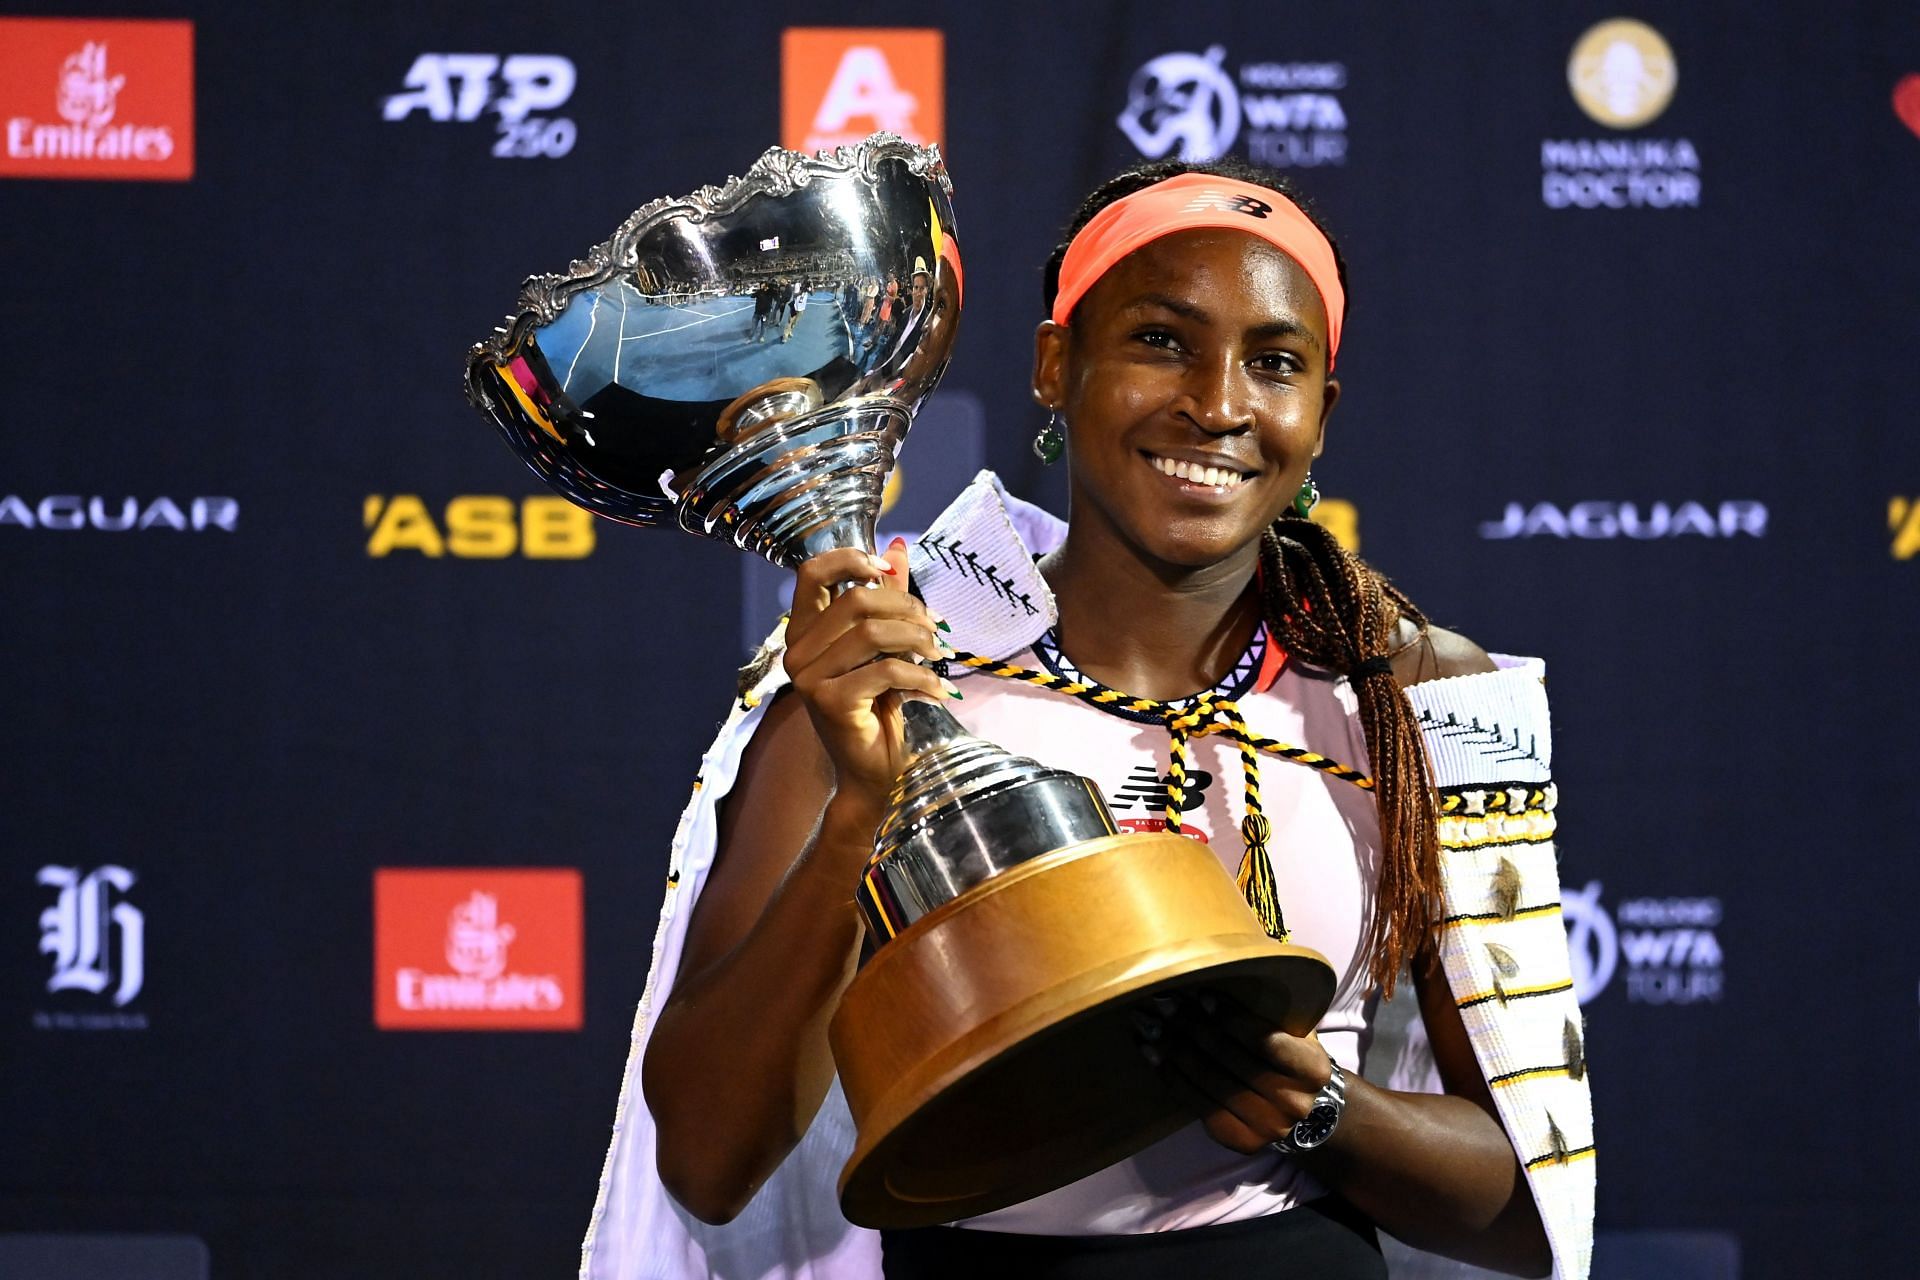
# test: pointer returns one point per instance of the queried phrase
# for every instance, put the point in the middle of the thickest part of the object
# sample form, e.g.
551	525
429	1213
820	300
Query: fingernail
1146	1026
1151	1054
1207	1002
941	623
951	691
1165	1006
898	544
878	565
889	570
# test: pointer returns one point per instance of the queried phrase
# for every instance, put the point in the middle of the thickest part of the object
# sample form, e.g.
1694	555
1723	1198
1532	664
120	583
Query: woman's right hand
846	657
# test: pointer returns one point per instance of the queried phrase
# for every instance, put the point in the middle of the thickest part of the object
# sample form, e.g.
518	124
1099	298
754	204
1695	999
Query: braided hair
1330	608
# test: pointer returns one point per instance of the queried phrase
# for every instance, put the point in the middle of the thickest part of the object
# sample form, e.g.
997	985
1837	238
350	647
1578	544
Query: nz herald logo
838	84
89	98
1669	947
1187	106
1622	74
1145	793
542	526
519	89
96	938
477	949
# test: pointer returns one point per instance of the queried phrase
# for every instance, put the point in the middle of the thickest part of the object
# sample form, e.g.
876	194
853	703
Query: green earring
1049	444
1303	501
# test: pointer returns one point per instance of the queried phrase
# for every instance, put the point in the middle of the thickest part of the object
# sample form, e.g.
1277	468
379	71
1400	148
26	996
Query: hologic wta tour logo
90	98
1283	114
1670	946
1623	75
477	949
462	87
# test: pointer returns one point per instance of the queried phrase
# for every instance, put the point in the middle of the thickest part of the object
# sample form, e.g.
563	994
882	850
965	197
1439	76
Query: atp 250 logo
461	87
542	526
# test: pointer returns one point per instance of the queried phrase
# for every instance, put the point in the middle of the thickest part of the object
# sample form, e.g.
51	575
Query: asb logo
1605	520
1622	74
86	98
1669	945
478	527
1186	106
477	949
1903	519
461	87
98	943
839	84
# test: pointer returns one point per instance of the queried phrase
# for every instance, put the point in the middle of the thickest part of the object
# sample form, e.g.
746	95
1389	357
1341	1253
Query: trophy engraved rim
778	172
634	383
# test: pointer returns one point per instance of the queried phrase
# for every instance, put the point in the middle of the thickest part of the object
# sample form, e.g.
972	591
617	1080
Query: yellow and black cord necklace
1206	713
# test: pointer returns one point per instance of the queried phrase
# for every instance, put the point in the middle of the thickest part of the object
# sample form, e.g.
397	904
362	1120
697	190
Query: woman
1196	314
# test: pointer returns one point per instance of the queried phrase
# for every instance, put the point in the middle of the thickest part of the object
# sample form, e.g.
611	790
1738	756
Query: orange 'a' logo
477	948
839	84
96	98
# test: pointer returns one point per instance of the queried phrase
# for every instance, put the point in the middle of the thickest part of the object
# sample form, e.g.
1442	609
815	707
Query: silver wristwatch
1321	1118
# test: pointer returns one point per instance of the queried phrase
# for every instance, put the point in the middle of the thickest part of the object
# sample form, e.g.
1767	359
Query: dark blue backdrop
252	720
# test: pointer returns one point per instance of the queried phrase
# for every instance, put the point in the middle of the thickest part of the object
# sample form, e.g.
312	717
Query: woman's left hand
1249	1081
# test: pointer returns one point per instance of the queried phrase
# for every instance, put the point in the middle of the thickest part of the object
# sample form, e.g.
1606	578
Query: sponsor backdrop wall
341	760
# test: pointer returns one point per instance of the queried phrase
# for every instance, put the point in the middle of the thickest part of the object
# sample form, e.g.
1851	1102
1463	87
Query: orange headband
1195	200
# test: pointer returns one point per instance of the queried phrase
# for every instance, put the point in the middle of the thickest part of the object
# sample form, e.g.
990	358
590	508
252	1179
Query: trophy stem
928	725
854	529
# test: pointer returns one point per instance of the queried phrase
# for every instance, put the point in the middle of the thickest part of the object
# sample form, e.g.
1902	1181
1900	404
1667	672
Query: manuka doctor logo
1605	520
462	87
1622	74
1187	106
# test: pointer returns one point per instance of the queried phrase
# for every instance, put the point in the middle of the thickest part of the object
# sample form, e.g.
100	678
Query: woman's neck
1152	630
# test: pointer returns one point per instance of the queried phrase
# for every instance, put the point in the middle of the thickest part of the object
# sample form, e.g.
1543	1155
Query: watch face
1317	1127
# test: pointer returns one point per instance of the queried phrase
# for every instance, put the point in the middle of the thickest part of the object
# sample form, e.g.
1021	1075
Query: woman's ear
1050	364
1328	398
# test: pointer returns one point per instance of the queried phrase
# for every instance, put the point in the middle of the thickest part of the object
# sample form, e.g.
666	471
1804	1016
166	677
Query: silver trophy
746	362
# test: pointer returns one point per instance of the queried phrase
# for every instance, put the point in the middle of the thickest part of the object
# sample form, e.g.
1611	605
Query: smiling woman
1204	630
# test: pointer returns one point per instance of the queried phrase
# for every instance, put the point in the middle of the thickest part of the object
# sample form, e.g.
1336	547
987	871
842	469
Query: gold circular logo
1622	73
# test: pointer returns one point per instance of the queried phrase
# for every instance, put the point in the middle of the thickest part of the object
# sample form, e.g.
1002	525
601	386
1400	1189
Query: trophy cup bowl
745	363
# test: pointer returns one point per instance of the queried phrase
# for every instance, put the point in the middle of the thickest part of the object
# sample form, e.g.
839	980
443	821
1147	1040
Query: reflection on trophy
746	361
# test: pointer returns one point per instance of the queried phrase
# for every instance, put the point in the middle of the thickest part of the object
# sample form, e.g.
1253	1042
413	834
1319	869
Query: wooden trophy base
988	1053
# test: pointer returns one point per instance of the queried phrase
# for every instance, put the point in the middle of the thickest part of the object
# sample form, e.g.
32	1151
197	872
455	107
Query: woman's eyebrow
1186	310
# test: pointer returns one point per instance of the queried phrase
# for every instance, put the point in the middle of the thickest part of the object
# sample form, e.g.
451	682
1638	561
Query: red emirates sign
96	98
477	949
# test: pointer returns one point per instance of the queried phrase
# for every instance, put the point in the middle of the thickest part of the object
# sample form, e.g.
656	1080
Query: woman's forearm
1438	1173
738	1062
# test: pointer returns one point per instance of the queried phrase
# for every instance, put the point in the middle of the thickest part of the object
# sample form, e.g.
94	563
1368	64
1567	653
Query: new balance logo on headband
1228	203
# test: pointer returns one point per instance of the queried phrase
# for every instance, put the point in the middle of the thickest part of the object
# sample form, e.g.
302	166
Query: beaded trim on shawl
1234	685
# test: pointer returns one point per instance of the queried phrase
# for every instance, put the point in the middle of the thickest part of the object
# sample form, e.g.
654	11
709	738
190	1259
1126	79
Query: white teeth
1194	473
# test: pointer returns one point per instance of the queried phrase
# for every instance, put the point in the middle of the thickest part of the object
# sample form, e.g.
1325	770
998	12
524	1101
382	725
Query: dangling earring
1303	501
1048	445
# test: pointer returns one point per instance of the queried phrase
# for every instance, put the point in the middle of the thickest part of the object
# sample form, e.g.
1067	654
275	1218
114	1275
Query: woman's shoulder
1435	653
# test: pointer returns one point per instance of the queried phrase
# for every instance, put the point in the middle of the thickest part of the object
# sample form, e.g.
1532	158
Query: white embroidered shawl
1505	956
